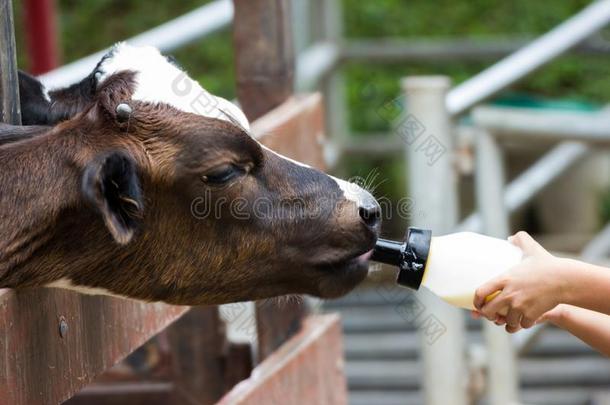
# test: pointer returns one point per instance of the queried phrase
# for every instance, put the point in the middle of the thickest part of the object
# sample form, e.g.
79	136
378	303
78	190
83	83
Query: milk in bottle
451	266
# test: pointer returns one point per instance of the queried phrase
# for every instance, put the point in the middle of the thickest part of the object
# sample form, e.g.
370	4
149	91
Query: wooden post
264	54
264	57
198	344
238	364
10	111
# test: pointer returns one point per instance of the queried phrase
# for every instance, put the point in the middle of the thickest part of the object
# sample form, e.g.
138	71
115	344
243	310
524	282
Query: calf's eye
223	174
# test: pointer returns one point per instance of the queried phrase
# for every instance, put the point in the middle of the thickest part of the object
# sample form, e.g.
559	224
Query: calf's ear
111	186
35	105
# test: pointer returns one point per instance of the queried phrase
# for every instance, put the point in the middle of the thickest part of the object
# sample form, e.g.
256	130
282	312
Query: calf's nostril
370	214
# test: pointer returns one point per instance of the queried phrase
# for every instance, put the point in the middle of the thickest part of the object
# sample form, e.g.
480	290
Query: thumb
527	244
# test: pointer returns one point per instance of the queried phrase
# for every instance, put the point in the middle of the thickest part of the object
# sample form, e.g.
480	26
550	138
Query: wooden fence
54	343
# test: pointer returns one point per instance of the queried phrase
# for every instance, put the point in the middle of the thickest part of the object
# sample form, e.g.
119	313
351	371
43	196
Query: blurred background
387	40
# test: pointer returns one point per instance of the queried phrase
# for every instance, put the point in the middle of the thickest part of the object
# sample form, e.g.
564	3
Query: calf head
183	205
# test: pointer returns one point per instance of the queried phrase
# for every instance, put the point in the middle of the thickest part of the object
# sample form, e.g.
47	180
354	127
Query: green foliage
574	77
449	18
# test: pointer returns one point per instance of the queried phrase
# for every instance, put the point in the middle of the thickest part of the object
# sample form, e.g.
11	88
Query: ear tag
123	112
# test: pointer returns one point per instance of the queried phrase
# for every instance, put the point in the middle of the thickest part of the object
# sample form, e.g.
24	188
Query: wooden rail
55	342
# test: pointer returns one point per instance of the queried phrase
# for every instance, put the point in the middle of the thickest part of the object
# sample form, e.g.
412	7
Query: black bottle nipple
410	256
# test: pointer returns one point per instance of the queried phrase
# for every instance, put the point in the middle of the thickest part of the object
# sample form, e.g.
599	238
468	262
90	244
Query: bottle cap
414	257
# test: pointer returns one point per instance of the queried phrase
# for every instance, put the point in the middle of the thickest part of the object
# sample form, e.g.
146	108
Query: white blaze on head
355	193
160	81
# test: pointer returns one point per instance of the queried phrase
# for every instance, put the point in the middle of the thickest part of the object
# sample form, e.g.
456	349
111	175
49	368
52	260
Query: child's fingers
475	314
486	290
512	329
495	307
513	319
527	323
500	320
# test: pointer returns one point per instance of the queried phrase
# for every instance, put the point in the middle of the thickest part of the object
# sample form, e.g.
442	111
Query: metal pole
384	50
301	25
541	51
533	180
490	178
315	63
599	246
519	124
432	182
327	20
10	111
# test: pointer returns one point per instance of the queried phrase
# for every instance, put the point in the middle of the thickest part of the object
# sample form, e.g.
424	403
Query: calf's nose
370	212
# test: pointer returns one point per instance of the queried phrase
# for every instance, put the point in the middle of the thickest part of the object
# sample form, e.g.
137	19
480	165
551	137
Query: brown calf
136	194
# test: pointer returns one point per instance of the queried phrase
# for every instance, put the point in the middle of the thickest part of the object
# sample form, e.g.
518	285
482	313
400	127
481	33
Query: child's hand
555	315
527	291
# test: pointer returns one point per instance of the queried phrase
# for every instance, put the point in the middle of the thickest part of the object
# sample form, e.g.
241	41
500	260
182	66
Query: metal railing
526	60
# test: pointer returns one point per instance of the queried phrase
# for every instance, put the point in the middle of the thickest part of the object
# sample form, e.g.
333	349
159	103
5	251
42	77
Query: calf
134	192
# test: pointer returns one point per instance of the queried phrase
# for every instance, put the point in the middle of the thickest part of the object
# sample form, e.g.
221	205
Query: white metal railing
523	62
173	34
386	50
598	247
534	179
497	201
545	125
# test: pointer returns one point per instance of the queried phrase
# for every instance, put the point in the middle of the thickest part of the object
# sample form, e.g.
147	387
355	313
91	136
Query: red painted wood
41	34
307	369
